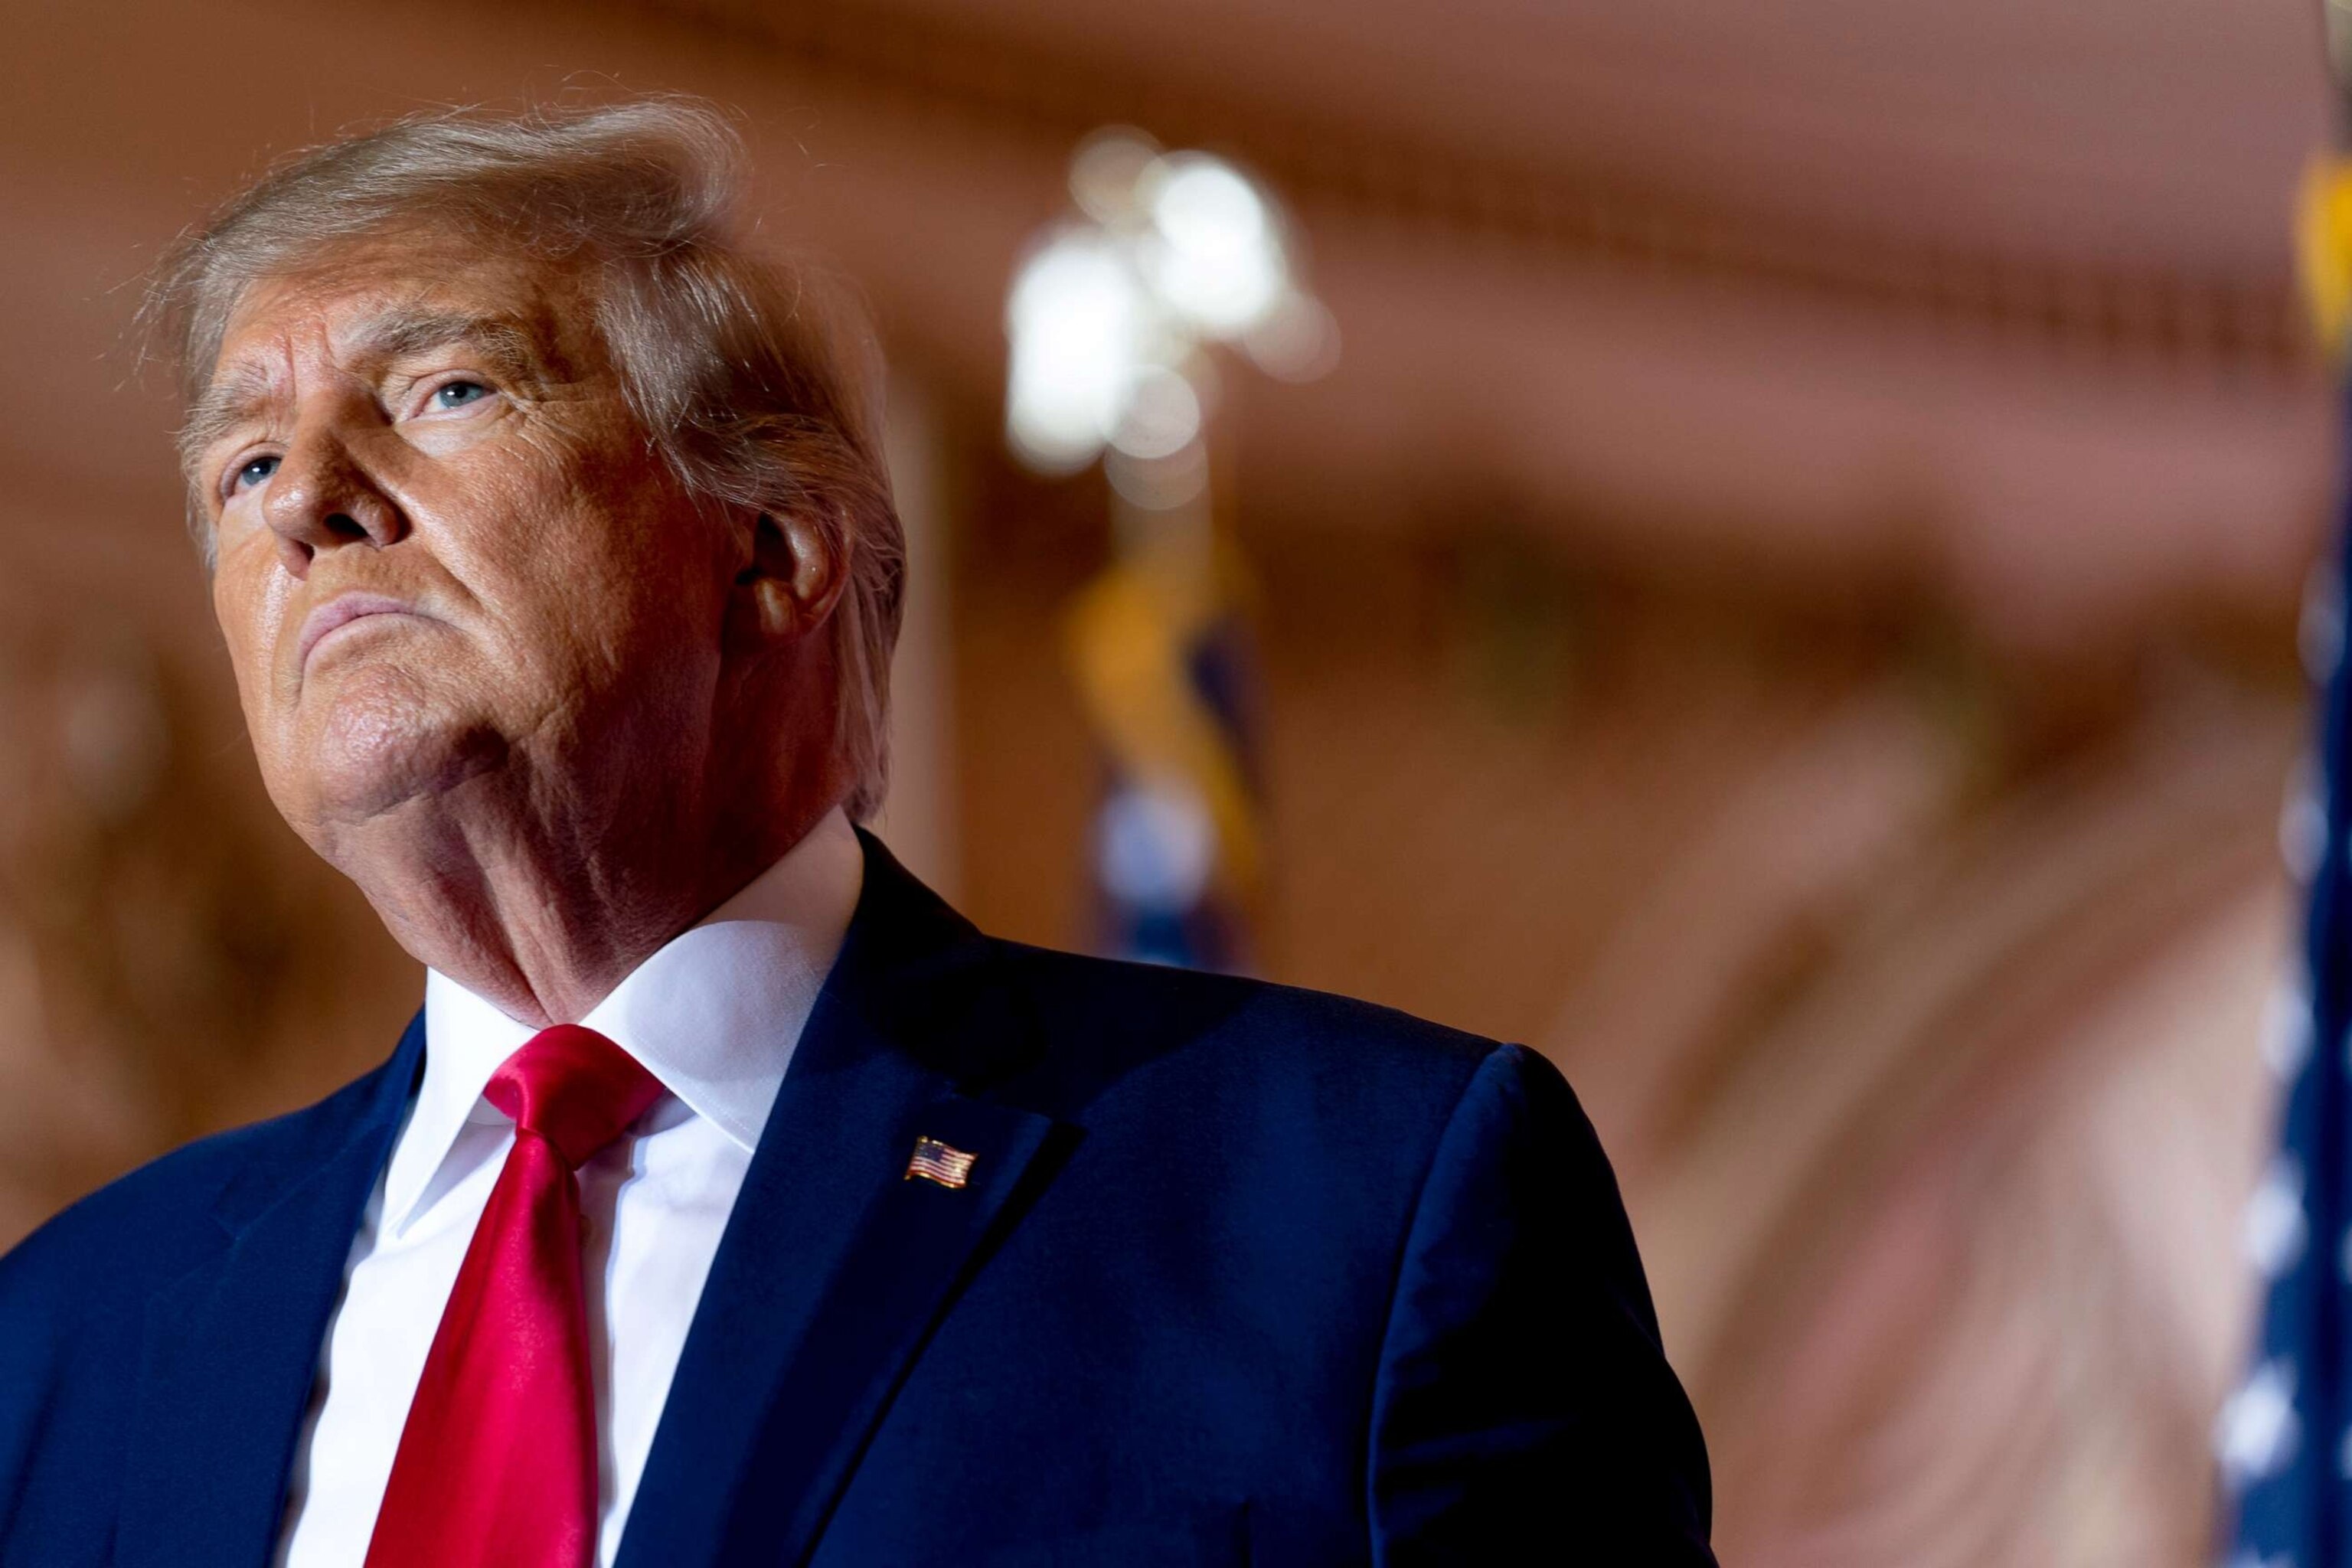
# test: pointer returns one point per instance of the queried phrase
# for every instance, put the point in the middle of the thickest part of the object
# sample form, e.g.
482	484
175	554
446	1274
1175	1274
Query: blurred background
1768	567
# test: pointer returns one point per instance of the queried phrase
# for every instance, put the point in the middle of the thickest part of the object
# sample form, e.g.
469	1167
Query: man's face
444	545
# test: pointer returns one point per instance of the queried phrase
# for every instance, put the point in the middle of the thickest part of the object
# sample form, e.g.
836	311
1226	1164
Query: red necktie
497	1466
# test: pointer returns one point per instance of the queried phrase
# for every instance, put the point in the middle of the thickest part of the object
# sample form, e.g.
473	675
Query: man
731	1200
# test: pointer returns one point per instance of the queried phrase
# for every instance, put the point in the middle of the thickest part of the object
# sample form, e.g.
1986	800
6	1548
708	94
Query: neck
543	915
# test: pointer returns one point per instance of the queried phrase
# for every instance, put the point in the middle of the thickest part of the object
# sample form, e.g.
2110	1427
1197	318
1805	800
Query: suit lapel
232	1346
835	1265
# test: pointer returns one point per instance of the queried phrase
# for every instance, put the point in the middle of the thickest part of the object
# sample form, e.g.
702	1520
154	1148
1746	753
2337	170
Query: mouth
339	612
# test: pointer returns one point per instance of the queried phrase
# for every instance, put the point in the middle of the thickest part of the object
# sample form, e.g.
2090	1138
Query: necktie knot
573	1087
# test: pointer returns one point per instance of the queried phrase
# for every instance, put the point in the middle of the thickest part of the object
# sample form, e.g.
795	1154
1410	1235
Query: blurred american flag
2283	1437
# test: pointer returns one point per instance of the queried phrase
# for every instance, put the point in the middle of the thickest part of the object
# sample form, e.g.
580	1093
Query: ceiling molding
1360	172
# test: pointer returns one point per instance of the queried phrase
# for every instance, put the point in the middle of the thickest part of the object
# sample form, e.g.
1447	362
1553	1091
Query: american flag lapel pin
936	1161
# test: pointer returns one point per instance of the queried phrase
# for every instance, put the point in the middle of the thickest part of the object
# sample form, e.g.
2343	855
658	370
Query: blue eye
457	393
253	471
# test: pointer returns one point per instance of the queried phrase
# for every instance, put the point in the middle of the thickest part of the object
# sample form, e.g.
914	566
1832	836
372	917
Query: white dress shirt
715	1016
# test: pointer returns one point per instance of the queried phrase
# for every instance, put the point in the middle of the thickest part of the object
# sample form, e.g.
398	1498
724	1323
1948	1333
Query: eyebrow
509	350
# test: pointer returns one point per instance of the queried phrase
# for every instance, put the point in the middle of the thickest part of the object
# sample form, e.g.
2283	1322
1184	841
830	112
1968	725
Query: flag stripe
2281	1440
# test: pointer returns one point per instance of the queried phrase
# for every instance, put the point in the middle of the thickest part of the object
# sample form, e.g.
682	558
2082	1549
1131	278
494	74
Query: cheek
600	557
248	604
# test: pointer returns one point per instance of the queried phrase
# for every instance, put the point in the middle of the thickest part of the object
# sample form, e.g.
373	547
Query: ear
795	575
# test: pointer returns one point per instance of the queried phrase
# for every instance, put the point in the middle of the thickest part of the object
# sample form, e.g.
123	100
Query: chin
379	740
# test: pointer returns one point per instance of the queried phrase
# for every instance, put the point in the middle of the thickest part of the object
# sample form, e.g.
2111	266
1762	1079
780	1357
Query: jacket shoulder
1111	1022
1085	984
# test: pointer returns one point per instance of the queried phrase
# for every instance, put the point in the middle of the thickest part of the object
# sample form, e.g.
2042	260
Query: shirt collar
715	1014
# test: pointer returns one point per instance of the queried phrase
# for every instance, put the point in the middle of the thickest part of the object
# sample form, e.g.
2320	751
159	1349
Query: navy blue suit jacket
1243	1274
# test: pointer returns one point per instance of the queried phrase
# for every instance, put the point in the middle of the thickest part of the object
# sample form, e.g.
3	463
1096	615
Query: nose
321	499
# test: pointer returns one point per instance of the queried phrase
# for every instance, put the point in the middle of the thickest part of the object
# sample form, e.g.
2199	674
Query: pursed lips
339	612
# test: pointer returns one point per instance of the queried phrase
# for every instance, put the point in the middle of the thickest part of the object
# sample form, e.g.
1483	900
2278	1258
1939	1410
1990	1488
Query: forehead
343	301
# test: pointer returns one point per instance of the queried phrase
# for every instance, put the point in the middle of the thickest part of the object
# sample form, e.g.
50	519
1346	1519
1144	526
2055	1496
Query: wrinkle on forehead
517	340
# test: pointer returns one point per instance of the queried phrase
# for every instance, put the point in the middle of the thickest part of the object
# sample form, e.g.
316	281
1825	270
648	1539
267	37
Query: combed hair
758	386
